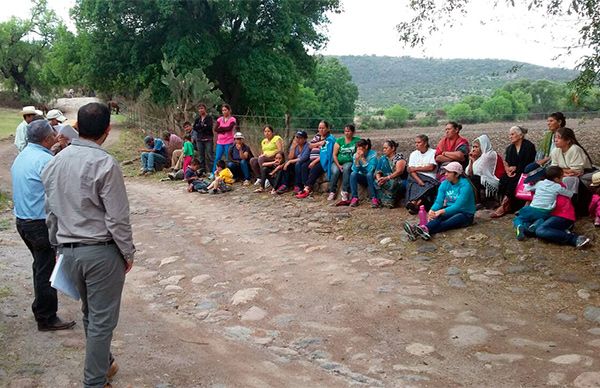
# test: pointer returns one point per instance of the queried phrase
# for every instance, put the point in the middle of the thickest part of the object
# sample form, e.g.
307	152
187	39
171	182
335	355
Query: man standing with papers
28	197
88	219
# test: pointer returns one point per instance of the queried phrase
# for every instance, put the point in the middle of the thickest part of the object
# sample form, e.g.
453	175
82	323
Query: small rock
263	340
477	237
173	280
592	286
519	268
587	380
238	332
427	248
583	294
481	278
556	378
254	314
456	282
380	262
594	331
453	271
569	277
340	238
418	315
385	241
172	287
200	279
244	296
466	252
417	349
206	305
205	240
491	272
502	357
422	258
315	248
566	317
168	260
314	225
592	313
567	359
467	335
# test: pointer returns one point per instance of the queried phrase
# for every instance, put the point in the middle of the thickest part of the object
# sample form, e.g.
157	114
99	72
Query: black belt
78	245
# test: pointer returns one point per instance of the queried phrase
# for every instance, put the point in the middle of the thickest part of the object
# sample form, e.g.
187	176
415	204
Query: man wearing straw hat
21	133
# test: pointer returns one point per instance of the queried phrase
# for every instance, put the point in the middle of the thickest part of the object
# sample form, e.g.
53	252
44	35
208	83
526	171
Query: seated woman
421	184
343	152
270	145
555	121
389	175
296	166
454	206
452	147
519	154
571	157
485	167
363	170
239	156
322	163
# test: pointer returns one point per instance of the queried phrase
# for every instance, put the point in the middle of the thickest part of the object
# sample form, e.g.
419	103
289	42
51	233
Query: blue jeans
335	176
444	223
222	150
152	161
365	180
240	168
301	173
556	229
528	215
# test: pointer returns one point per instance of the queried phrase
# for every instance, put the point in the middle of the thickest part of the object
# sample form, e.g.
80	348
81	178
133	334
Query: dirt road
236	290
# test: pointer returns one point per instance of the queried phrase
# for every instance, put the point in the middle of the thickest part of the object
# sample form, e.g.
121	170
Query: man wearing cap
21	133
239	158
154	156
28	198
55	117
89	221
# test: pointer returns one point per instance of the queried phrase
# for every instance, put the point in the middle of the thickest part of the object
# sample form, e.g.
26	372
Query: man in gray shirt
88	219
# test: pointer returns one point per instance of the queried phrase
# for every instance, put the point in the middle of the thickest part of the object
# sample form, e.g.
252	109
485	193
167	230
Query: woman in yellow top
270	146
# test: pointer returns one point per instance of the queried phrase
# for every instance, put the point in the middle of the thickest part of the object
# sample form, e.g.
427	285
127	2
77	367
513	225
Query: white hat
453	167
39	112
29	110
56	114
238	135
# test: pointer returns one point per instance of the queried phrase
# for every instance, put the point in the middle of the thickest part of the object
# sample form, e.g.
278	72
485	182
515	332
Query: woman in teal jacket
363	168
454	206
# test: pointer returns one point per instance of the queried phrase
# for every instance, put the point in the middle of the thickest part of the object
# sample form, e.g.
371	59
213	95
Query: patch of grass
4	224
118	119
5	292
9	120
5	201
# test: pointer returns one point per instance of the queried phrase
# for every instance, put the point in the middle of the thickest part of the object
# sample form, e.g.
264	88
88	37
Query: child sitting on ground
223	179
193	179
273	173
595	203
543	202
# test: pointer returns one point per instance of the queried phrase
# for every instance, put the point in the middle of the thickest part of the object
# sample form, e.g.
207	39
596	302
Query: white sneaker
258	182
267	184
331	197
246	183
345	196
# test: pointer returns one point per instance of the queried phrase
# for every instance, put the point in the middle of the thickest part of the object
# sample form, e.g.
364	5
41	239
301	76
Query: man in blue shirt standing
28	198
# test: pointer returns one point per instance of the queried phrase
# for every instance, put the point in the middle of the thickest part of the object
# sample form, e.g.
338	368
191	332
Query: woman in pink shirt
225	128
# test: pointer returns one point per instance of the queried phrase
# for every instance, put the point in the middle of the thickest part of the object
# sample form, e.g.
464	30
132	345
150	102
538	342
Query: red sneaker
303	194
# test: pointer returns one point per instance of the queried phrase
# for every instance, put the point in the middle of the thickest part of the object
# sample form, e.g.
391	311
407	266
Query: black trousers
35	235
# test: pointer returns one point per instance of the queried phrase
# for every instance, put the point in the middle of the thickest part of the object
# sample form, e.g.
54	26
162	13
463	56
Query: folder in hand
61	281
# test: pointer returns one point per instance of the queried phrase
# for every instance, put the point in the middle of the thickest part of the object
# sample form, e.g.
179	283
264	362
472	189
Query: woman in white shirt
421	185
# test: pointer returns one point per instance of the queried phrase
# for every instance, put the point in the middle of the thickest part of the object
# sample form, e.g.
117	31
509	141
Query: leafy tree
426	20
397	115
255	50
23	46
499	108
336	92
307	108
474	101
461	112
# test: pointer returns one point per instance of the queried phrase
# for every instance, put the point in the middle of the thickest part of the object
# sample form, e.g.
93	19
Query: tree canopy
256	51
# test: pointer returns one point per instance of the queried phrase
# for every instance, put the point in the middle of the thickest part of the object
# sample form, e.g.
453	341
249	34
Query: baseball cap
238	135
56	114
453	167
302	134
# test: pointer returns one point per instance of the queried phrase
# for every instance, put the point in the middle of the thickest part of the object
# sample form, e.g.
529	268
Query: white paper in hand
61	281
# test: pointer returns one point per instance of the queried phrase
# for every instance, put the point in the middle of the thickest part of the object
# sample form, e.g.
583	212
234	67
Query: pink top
225	130
595	206
564	208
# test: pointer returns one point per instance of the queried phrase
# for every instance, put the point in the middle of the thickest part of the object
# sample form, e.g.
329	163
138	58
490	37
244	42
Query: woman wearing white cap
454	206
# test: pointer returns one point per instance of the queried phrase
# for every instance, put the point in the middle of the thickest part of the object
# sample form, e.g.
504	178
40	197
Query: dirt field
241	290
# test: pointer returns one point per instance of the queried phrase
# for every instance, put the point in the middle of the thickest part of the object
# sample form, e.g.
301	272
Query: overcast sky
368	27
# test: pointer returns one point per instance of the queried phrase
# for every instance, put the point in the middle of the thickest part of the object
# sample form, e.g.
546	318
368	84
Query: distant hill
422	84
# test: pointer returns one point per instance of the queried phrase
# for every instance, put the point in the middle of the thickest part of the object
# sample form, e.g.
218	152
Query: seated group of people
447	183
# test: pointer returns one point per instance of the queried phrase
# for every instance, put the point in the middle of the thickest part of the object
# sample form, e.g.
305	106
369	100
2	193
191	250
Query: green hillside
422	84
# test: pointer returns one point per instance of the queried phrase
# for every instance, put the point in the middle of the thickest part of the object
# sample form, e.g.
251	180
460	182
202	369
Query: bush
397	115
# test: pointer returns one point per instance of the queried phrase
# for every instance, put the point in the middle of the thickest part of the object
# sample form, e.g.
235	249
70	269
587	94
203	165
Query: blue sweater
369	166
458	198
